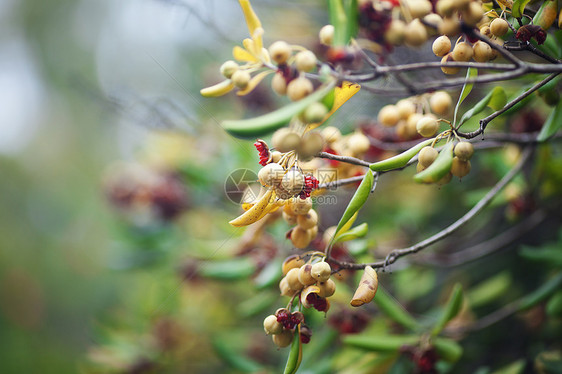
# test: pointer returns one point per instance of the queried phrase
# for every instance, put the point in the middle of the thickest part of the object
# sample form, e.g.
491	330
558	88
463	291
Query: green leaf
448	349
496	99
546	15
357	201
541	293
338	19
552	123
235	269
401	160
380	343
352	12
264	124
451	309
356	232
233	358
470	73
439	168
554	305
489	290
295	355
549	255
393	310
519	7
515	367
269	275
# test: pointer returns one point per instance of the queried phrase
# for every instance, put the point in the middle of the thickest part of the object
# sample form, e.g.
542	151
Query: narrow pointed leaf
451	309
552	123
519	7
393	310
401	160
356	232
357	201
470	73
496	99
295	354
439	168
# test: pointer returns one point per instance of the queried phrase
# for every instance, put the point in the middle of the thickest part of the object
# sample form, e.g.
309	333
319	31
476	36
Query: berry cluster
461	166
282	326
408	118
263	150
299	212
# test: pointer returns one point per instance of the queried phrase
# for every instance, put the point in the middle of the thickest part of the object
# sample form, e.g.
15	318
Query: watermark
242	185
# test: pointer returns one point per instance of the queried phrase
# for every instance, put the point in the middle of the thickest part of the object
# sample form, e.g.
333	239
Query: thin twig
346	159
397	253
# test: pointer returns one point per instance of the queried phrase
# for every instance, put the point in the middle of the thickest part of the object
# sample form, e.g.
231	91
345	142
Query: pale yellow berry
241	78
405	108
284	339
449	69
446	179
321	271
285	140
473	13
462	52
415	34
396	32
440	103
418	8
293	181
308	220
327	288
291	262
326	35
464	150
460	168
293	279
499	27
305	277
450	26
427	126
482	52
331	134
412	121
427	155
435	20
284	288
445	8
300	237
228	68
315	113
276	156
280	52
297	206
271	326
313	232
486	31
271	174
441	46
358	143
290	218
311	143
299	88
389	115
305	61
279	84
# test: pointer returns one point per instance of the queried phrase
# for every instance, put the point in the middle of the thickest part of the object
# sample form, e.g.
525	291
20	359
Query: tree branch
346	159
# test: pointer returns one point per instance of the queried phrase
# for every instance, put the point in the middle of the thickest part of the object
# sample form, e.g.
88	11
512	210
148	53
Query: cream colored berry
308	220
446	179
449	69
358	143
441	46
486	31
313	232
405	108
271	326
473	13
327	288
462	52
298	206
305	61
427	155
482	52
321	271
299	88
285	140
241	78
419	8
280	52
284	339
450	26
427	126
499	27
271	174
413	119
293	280
389	115
435	20
326	34
415	34
464	150
291	262
396	32
305	277
228	68
276	156
445	8
300	237
284	288
315	113
289	218
279	84
331	134
440	103
293	181
460	168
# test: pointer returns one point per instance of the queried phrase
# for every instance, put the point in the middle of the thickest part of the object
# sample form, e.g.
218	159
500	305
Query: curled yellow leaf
254	82
367	288
252	19
241	54
218	89
255	212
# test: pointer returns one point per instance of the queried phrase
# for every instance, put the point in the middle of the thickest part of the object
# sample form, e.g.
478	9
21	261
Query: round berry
313	232
304	275
460	168
276	156
284	339
415	33
331	134
300	237
450	26
435	20
486	31
396	32
441	46
305	61
285	140
327	288
298	206
462	52
315	113
419	8
293	279
445	8
482	52
271	174
389	115
473	13
228	68
271	326
446	179
464	150
499	27
280	52
279	84
299	88
326	35
405	108
308	220
241	78
427	126
293	261
321	271
427	155
358	143
290	218
440	103
449	69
